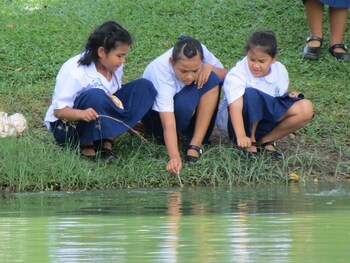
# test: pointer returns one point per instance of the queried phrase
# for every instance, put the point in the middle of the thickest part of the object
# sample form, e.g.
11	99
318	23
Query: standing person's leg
337	26
314	14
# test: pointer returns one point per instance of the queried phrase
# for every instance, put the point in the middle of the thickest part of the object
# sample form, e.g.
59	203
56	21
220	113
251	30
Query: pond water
264	223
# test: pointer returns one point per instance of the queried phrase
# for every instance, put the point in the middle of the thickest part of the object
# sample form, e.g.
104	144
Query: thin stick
136	132
178	177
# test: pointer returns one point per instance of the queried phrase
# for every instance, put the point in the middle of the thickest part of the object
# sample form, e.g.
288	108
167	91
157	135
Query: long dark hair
187	46
108	35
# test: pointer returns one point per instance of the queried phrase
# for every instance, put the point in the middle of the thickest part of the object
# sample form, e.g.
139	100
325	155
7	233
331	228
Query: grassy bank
38	36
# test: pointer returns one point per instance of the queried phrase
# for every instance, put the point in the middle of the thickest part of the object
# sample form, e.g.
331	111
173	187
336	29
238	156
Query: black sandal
193	159
277	154
312	52
106	153
87	156
339	55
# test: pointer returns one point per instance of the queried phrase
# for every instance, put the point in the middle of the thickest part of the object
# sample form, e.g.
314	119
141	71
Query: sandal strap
196	148
268	143
314	38
343	46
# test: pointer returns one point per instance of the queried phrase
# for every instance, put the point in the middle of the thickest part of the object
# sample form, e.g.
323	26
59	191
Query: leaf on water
293	177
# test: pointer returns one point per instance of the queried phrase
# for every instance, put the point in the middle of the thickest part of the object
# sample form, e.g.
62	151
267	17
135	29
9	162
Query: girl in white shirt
260	109
187	78
83	111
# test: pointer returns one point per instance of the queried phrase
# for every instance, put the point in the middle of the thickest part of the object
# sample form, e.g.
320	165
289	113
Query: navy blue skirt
335	3
137	98
259	106
185	104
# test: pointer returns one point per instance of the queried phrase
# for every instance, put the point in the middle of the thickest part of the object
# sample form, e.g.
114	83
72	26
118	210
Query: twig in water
134	131
178	177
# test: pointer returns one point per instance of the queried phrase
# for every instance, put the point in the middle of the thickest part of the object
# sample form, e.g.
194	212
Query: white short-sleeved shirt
239	77
73	79
160	72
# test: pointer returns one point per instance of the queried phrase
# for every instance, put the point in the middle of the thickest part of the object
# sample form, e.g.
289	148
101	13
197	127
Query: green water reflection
274	223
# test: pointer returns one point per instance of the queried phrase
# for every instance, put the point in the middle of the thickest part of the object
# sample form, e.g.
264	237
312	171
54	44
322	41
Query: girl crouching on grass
83	110
260	109
188	79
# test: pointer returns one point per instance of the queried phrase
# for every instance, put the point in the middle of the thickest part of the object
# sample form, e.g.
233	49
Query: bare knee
303	109
306	109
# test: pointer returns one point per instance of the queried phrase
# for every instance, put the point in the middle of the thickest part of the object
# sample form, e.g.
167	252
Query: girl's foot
340	51
252	152
253	148
193	154
270	147
107	150
312	49
88	151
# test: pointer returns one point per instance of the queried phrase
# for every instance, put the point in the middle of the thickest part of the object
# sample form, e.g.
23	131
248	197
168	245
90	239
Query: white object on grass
13	125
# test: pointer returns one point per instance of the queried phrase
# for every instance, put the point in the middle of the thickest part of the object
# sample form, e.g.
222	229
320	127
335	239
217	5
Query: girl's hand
88	115
294	94
174	165
203	75
244	142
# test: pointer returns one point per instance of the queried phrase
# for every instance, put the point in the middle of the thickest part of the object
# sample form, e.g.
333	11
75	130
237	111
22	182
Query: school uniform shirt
161	73
239	77
73	79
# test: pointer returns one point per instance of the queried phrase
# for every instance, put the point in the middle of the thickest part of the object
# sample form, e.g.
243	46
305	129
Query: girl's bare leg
205	111
296	117
252	138
314	13
337	22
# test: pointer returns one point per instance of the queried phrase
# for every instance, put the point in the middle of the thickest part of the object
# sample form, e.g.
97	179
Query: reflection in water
168	250
244	224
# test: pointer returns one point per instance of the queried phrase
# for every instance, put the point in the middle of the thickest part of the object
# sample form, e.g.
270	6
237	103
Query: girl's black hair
187	46
108	35
263	40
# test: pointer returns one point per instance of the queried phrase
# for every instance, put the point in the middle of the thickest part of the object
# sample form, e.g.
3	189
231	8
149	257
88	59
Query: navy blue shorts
185	104
137	98
259	106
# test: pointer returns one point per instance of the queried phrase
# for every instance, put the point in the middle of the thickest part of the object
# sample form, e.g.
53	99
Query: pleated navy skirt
335	3
137	98
185	104
259	106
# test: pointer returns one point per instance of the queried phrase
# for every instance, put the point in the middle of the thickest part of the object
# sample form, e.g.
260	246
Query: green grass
38	36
